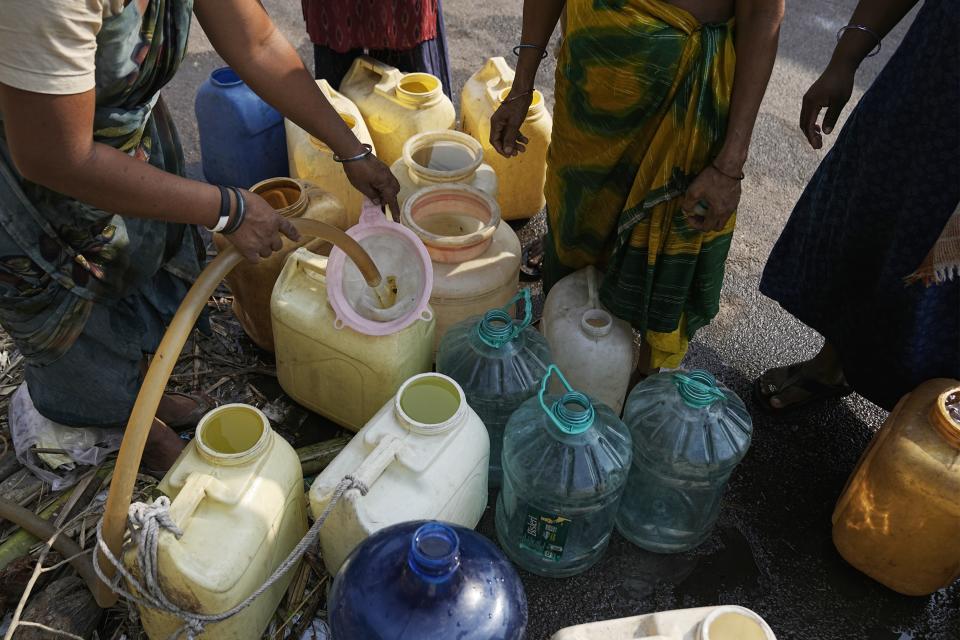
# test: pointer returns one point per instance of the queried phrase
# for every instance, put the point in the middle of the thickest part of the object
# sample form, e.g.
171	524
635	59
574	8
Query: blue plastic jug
427	580
242	139
499	363
689	432
565	465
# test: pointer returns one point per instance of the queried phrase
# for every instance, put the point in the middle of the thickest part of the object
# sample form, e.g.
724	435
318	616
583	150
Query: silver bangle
865	29
367	151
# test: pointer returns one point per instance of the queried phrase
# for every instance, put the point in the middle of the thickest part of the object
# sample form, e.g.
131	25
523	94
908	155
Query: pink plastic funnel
399	255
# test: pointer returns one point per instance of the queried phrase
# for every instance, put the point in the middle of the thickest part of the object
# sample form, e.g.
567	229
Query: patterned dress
83	292
870	214
642	94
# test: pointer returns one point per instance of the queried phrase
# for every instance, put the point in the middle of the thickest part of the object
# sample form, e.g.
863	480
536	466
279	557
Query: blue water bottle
565	464
242	139
689	432
427	580
499	363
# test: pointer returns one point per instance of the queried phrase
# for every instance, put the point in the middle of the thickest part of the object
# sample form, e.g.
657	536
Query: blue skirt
870	215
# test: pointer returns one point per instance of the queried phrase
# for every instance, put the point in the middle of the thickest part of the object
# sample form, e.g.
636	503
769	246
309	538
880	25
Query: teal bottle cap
497	327
573	413
698	388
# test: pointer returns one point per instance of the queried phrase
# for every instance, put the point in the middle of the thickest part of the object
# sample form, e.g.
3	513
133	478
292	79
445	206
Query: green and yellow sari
642	94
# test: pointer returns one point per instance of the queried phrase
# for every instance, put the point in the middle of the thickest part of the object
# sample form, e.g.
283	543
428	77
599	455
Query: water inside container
232	430
430	400
443	156
281	197
403	276
735	626
418	83
450	224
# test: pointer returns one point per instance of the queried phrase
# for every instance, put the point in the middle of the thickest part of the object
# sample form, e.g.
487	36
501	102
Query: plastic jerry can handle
195	489
501	77
377	462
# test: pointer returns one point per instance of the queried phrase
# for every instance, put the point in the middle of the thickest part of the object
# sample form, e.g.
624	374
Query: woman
97	225
870	215
407	34
655	105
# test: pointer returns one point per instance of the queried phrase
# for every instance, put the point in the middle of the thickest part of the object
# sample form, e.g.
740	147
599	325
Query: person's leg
332	66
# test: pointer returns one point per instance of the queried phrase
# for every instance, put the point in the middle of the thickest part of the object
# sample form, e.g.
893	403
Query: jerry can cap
573	412
498	327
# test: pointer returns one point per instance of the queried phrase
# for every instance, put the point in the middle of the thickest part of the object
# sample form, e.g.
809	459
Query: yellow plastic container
396	105
252	284
442	157
237	494
898	519
475	255
520	192
312	160
341	374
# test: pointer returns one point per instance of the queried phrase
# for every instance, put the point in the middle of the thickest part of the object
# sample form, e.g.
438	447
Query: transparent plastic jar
499	363
689	432
565	465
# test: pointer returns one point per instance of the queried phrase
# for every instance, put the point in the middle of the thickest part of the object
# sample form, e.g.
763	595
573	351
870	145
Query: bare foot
162	448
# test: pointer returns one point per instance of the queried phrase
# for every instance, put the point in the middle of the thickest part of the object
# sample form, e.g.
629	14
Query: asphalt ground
771	550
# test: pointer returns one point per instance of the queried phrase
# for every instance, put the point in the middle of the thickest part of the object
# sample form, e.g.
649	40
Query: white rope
146	521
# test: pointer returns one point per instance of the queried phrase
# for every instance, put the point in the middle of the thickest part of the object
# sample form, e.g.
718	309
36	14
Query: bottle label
545	534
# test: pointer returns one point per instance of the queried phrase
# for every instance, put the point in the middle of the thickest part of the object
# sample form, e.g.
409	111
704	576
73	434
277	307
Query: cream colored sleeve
49	46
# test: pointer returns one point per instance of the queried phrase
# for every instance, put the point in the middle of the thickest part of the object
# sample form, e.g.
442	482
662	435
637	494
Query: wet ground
771	550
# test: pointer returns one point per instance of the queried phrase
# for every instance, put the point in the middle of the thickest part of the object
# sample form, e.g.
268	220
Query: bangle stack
865	29
240	215
367	152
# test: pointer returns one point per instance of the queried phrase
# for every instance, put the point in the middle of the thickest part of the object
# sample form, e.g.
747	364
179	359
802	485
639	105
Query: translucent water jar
689	433
442	157
499	362
565	465
421	580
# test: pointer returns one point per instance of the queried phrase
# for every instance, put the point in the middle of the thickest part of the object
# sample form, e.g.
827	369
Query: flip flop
205	404
817	392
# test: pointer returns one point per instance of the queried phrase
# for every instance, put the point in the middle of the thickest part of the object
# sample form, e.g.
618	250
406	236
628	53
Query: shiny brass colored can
898	519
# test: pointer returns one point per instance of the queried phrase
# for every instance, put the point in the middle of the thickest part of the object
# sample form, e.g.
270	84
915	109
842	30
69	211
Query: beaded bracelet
542	50
367	151
865	29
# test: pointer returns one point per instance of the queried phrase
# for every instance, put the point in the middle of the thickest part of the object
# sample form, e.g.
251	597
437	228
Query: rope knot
354	483
142	516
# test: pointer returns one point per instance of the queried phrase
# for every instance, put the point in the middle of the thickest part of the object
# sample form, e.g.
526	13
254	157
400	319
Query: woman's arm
539	20
758	32
833	88
50	139
243	33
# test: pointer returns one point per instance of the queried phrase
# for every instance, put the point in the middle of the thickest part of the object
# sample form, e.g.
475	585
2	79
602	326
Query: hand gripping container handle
372	221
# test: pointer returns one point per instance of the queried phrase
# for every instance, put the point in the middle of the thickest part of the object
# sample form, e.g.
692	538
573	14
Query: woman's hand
505	125
831	91
721	194
373	178
260	233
